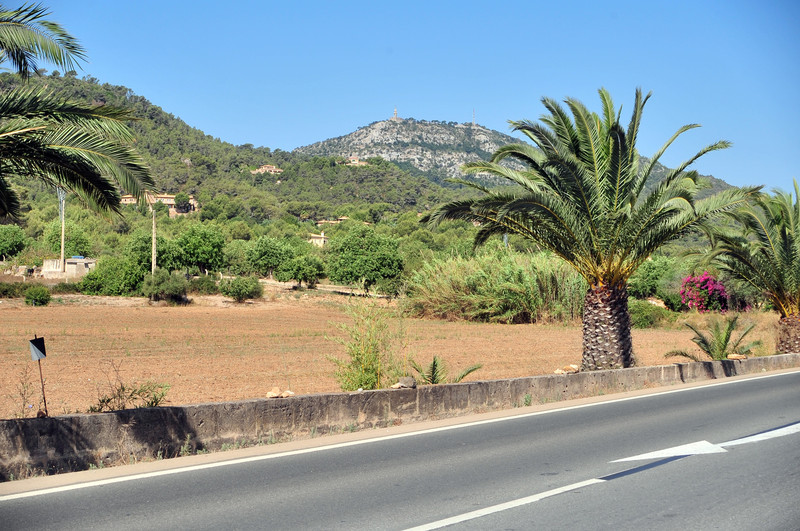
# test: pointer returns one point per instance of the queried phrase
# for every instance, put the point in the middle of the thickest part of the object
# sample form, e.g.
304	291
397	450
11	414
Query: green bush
163	286
647	315
12	241
498	285
673	301
241	288
12	290
204	285
372	349
66	287
113	277
37	296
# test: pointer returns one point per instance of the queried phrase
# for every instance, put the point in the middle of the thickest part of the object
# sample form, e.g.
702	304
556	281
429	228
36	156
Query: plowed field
215	350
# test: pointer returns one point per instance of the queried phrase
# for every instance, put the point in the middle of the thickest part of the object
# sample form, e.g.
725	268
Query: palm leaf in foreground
85	149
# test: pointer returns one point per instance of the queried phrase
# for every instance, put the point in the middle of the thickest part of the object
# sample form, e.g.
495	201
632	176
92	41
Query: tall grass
498	285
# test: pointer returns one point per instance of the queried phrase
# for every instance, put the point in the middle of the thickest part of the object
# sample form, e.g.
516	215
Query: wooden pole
44	398
41	378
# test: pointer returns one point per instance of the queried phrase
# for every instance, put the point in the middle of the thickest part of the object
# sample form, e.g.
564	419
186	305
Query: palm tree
436	372
717	345
581	197
83	148
767	256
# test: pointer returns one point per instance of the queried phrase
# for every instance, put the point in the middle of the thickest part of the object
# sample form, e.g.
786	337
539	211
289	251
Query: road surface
720	456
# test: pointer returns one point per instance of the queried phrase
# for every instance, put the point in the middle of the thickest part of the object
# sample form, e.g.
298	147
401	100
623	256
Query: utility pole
151	201
62	195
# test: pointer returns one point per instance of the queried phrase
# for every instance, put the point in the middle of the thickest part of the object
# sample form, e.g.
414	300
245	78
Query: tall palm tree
767	256
83	148
580	196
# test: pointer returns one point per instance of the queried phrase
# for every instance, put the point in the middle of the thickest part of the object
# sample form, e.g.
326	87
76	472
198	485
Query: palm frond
26	36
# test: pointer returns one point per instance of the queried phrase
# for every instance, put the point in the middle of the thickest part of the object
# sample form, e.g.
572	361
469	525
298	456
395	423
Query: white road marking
504	506
780	432
695	448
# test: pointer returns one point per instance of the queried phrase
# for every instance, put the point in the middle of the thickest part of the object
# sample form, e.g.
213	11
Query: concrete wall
75	442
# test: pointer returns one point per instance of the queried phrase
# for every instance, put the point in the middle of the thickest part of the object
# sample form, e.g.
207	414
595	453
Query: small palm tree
436	372
718	344
83	148
767	256
581	196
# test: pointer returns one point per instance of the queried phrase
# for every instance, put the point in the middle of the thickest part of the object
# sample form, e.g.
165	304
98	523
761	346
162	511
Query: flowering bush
705	293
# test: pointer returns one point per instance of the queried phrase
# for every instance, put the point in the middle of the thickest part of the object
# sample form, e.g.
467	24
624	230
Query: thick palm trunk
788	334
607	340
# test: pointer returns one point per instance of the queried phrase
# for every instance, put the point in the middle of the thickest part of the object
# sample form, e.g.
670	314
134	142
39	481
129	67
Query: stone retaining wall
77	442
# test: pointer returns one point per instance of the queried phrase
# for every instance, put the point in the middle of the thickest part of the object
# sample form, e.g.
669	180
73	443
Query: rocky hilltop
436	149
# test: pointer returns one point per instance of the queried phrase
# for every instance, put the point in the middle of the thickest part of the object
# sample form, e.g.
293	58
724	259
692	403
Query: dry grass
214	350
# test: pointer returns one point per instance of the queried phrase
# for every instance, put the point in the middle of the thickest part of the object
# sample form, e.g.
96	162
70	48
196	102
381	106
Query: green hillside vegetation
241	212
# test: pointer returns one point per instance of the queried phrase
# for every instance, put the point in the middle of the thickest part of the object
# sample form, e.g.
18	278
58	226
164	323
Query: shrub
12	241
165	286
372	359
647	315
241	288
496	286
66	287
12	290
704	293
125	395
647	280
673	301
204	285
37	296
113	277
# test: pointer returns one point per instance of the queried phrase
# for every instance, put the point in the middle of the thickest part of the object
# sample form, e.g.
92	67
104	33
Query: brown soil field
216	350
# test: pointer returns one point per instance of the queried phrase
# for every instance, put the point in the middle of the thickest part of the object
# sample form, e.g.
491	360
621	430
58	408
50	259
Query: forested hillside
219	174
258	207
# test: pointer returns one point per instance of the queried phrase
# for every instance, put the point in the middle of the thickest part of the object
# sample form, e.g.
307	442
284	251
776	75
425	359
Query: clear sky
287	74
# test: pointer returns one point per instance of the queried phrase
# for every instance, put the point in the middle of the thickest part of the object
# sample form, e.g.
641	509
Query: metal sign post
37	354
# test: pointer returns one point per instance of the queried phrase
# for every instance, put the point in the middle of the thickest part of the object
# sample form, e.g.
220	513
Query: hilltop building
167	199
267	168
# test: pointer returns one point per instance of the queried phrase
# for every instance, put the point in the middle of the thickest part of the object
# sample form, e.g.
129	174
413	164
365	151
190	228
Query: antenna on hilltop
473	117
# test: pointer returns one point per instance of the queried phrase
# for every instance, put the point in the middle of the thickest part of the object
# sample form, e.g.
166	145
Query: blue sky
287	74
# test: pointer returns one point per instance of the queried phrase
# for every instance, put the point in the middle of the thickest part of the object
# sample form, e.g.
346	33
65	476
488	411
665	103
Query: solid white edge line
504	506
242	460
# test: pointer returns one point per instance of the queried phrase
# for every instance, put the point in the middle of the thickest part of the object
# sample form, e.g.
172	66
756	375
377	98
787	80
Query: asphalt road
722	456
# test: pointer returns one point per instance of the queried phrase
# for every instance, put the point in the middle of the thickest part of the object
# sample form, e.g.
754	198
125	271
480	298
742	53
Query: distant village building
75	267
267	168
332	221
353	161
318	239
167	199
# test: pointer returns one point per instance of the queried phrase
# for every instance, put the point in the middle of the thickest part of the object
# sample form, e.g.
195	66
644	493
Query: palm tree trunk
607	340
789	334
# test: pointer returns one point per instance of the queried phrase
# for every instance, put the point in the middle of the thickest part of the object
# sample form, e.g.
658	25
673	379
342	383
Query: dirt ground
216	350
